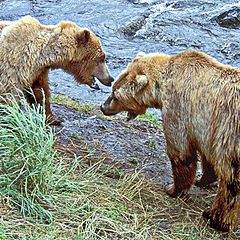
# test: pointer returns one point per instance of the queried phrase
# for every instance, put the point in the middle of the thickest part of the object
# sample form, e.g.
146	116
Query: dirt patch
130	146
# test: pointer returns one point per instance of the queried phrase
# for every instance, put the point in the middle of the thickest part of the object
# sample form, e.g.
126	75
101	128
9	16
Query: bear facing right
200	102
29	49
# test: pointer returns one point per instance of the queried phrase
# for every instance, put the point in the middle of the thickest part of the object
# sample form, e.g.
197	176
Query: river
127	27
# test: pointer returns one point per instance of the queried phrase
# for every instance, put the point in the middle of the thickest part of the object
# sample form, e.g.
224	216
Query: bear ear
140	54
83	37
67	24
141	81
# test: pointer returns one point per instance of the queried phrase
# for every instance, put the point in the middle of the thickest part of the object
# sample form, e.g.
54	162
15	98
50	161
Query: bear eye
102	59
113	96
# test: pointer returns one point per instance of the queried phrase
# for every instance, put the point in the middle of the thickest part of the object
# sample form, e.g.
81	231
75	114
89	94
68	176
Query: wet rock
142	1
230	18
131	28
134	1
131	146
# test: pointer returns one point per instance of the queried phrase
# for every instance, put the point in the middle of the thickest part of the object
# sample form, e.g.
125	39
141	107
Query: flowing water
127	27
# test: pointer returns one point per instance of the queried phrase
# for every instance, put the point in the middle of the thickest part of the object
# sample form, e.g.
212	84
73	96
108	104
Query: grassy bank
76	105
50	192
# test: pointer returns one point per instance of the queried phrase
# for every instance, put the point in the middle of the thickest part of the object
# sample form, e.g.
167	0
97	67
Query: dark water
127	27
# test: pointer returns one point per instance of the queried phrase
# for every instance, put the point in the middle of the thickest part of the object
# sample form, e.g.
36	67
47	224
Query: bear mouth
131	115
93	84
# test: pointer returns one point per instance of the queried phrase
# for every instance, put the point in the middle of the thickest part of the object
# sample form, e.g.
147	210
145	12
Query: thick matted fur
200	102
29	49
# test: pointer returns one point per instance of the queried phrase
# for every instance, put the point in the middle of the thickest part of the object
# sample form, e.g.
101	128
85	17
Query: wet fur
29	49
200	102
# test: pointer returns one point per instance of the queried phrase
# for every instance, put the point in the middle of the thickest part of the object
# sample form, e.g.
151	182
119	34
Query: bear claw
172	192
52	120
213	223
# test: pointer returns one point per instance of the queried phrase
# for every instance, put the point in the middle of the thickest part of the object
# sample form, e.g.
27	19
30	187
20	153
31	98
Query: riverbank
108	174
108	184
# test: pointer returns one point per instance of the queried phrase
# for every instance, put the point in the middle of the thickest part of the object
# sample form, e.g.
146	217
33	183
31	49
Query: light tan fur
200	102
29	49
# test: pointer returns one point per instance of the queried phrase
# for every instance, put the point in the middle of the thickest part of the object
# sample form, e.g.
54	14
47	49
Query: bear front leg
39	87
184	172
208	174
226	208
180	147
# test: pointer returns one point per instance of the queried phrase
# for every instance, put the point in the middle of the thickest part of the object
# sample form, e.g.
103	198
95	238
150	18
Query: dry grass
87	200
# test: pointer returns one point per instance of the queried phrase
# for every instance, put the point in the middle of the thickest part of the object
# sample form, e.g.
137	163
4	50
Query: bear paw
206	184
215	223
53	120
172	191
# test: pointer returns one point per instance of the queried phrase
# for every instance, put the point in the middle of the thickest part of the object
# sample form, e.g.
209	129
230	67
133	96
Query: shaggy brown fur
200	102
29	49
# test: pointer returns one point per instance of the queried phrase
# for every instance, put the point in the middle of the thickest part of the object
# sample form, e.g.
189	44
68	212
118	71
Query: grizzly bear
200	102
29	49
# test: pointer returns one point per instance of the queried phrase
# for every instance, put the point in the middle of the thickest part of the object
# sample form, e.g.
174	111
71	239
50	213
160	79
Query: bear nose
111	79
102	108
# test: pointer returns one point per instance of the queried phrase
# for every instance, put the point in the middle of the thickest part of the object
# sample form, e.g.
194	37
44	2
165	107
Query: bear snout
108	81
106	110
102	108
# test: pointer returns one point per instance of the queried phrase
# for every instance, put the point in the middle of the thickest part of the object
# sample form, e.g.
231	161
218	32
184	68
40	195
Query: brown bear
29	49
4	24
200	102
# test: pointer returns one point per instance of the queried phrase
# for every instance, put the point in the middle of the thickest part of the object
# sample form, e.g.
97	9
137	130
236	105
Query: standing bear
200	102
29	49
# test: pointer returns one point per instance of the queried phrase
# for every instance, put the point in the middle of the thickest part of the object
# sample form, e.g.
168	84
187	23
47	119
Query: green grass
51	193
26	156
81	107
151	118
3	233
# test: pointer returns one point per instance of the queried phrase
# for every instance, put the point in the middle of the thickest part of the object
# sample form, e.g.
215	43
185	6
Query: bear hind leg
208	177
226	208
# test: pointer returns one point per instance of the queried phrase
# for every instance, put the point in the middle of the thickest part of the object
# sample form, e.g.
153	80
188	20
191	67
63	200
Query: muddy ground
128	146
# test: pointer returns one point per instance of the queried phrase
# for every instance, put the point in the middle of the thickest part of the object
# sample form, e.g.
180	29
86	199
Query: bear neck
159	79
54	56
152	99
153	95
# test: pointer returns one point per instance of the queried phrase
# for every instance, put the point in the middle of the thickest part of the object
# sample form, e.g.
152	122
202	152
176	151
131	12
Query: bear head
86	59
129	90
